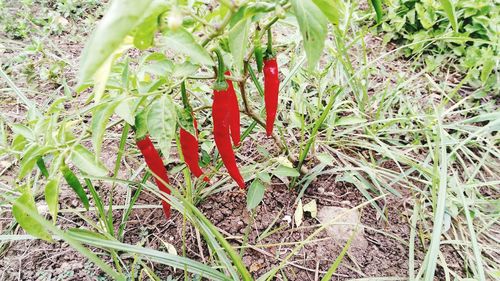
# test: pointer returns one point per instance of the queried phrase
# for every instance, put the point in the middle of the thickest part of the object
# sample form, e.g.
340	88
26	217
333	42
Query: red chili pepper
155	164
189	147
271	89
234	119
189	142
221	119
271	85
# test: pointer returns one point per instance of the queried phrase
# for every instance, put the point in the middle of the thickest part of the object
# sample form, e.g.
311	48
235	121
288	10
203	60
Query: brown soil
385	256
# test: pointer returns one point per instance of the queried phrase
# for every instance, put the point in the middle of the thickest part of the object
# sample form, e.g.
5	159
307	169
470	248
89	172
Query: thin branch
250	113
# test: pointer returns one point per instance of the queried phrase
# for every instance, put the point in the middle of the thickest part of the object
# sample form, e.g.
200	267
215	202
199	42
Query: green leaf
87	162
325	158
24	131
488	66
311	208
144	36
377	6
125	111
75	184
18	142
100	118
283	171
313	26
161	122
255	194
238	41
184	69
102	73
426	16
349	120
174	261
449	9
332	9
121	18
182	41
52	197
30	158
490	116
265	177
185	119
30	225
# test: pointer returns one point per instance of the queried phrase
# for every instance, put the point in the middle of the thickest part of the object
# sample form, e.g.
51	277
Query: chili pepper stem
220	83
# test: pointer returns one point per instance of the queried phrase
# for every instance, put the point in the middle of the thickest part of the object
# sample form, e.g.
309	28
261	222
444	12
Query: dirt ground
385	255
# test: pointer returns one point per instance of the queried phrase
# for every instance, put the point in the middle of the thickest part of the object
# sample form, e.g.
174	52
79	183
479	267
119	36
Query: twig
250	113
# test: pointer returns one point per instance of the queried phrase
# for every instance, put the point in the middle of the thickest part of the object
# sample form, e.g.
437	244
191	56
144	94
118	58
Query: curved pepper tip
241	183
269	132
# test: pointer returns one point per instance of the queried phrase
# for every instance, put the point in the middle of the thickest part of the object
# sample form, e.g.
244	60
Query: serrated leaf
238	41
183	42
161	122
100	119
52	197
283	171
255	194
20	209
311	208
332	9
298	214
120	19
84	160
313	26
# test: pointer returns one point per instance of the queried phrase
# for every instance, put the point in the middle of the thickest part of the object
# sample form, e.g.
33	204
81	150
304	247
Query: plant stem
250	113
218	29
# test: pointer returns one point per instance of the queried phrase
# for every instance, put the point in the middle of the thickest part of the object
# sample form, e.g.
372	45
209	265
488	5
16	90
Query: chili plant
195	59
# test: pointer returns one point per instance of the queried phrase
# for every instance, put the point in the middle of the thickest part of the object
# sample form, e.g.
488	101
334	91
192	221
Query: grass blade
441	184
154	255
449	9
340	257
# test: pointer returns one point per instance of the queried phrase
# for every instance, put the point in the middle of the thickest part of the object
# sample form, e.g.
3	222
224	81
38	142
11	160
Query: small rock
287	218
342	227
